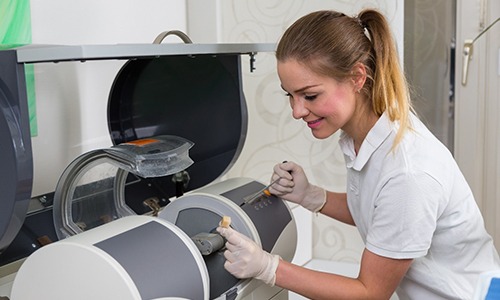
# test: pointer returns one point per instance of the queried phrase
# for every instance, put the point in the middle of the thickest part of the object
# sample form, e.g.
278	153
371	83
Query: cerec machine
137	220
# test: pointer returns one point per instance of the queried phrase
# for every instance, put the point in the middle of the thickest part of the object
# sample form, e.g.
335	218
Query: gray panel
195	220
157	260
16	163
195	213
269	214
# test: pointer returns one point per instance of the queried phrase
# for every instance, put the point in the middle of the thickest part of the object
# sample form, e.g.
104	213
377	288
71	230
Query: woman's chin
321	135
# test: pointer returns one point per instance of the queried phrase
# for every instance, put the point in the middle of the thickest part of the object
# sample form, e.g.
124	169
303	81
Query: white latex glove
245	259
294	187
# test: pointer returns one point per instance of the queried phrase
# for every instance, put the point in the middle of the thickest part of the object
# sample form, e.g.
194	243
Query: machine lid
197	97
91	190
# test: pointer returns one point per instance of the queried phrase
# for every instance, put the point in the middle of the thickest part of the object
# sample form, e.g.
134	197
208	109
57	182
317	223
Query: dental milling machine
137	220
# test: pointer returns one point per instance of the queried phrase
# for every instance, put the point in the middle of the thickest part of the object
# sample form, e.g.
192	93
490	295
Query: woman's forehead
296	76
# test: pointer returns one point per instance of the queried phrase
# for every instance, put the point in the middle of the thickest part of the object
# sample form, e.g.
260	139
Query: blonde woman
423	232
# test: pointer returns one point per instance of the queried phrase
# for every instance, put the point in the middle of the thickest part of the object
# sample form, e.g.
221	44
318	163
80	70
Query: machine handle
184	37
468	46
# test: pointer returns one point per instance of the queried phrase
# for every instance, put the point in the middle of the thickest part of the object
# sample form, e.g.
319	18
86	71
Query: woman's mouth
315	123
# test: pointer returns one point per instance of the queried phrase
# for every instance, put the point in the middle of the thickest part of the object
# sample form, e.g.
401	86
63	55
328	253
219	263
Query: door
429	55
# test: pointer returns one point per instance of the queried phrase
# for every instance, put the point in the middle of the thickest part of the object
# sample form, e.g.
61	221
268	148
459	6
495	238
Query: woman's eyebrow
302	89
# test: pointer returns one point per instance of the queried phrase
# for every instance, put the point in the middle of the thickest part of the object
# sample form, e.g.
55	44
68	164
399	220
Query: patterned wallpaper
273	135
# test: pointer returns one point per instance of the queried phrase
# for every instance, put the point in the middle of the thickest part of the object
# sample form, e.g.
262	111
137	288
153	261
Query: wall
273	135
72	97
477	149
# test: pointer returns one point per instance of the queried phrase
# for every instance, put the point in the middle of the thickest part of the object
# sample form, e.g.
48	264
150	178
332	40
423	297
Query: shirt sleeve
405	216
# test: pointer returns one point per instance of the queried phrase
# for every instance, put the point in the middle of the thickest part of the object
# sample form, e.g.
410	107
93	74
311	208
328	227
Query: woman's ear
359	76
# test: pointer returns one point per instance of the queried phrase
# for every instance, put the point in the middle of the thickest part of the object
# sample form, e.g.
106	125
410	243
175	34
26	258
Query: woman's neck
360	124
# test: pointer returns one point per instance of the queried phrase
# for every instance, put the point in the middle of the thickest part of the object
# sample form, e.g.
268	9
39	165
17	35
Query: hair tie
361	23
364	27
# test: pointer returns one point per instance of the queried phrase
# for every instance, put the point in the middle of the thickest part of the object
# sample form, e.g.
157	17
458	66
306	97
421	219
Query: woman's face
325	104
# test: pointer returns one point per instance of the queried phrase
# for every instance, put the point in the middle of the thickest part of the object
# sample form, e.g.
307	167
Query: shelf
59	53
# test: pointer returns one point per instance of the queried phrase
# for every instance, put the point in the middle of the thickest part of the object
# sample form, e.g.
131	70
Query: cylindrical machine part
208	243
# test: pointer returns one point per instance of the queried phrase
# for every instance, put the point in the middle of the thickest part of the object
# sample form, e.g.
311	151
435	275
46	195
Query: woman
423	232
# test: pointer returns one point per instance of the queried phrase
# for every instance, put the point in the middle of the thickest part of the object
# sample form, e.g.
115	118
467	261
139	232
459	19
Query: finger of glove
231	235
283	170
282	184
246	248
300	181
246	265
235	240
232	256
233	247
236	269
291	167
233	268
280	190
223	231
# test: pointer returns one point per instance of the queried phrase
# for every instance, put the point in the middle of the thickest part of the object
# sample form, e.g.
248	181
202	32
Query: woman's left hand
245	259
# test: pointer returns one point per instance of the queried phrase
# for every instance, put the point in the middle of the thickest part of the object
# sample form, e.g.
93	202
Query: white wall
72	97
273	135
477	140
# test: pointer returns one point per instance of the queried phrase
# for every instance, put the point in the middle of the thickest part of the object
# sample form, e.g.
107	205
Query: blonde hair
331	44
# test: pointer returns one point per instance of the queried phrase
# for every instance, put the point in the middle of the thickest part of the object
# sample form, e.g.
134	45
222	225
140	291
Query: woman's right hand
294	186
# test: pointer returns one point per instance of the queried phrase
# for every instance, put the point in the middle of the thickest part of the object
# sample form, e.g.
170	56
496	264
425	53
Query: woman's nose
299	110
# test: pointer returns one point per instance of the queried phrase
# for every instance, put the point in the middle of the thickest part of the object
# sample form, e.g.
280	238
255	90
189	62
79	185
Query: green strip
15	30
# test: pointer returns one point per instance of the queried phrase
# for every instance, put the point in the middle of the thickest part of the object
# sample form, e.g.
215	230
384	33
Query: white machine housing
144	257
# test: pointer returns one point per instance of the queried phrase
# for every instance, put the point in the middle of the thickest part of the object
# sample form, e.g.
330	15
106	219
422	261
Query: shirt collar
375	137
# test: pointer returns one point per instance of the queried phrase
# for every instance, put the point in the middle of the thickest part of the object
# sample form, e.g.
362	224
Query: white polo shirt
414	202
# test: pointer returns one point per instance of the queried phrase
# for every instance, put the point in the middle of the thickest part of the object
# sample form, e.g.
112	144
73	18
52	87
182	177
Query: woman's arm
378	276
378	279
336	207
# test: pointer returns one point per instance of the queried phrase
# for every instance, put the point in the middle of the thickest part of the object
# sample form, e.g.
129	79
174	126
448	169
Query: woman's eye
306	97
310	97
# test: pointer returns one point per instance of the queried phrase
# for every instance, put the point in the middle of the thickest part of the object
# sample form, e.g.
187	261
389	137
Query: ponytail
390	92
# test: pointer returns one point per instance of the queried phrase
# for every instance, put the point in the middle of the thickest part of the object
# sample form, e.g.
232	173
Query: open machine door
16	162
